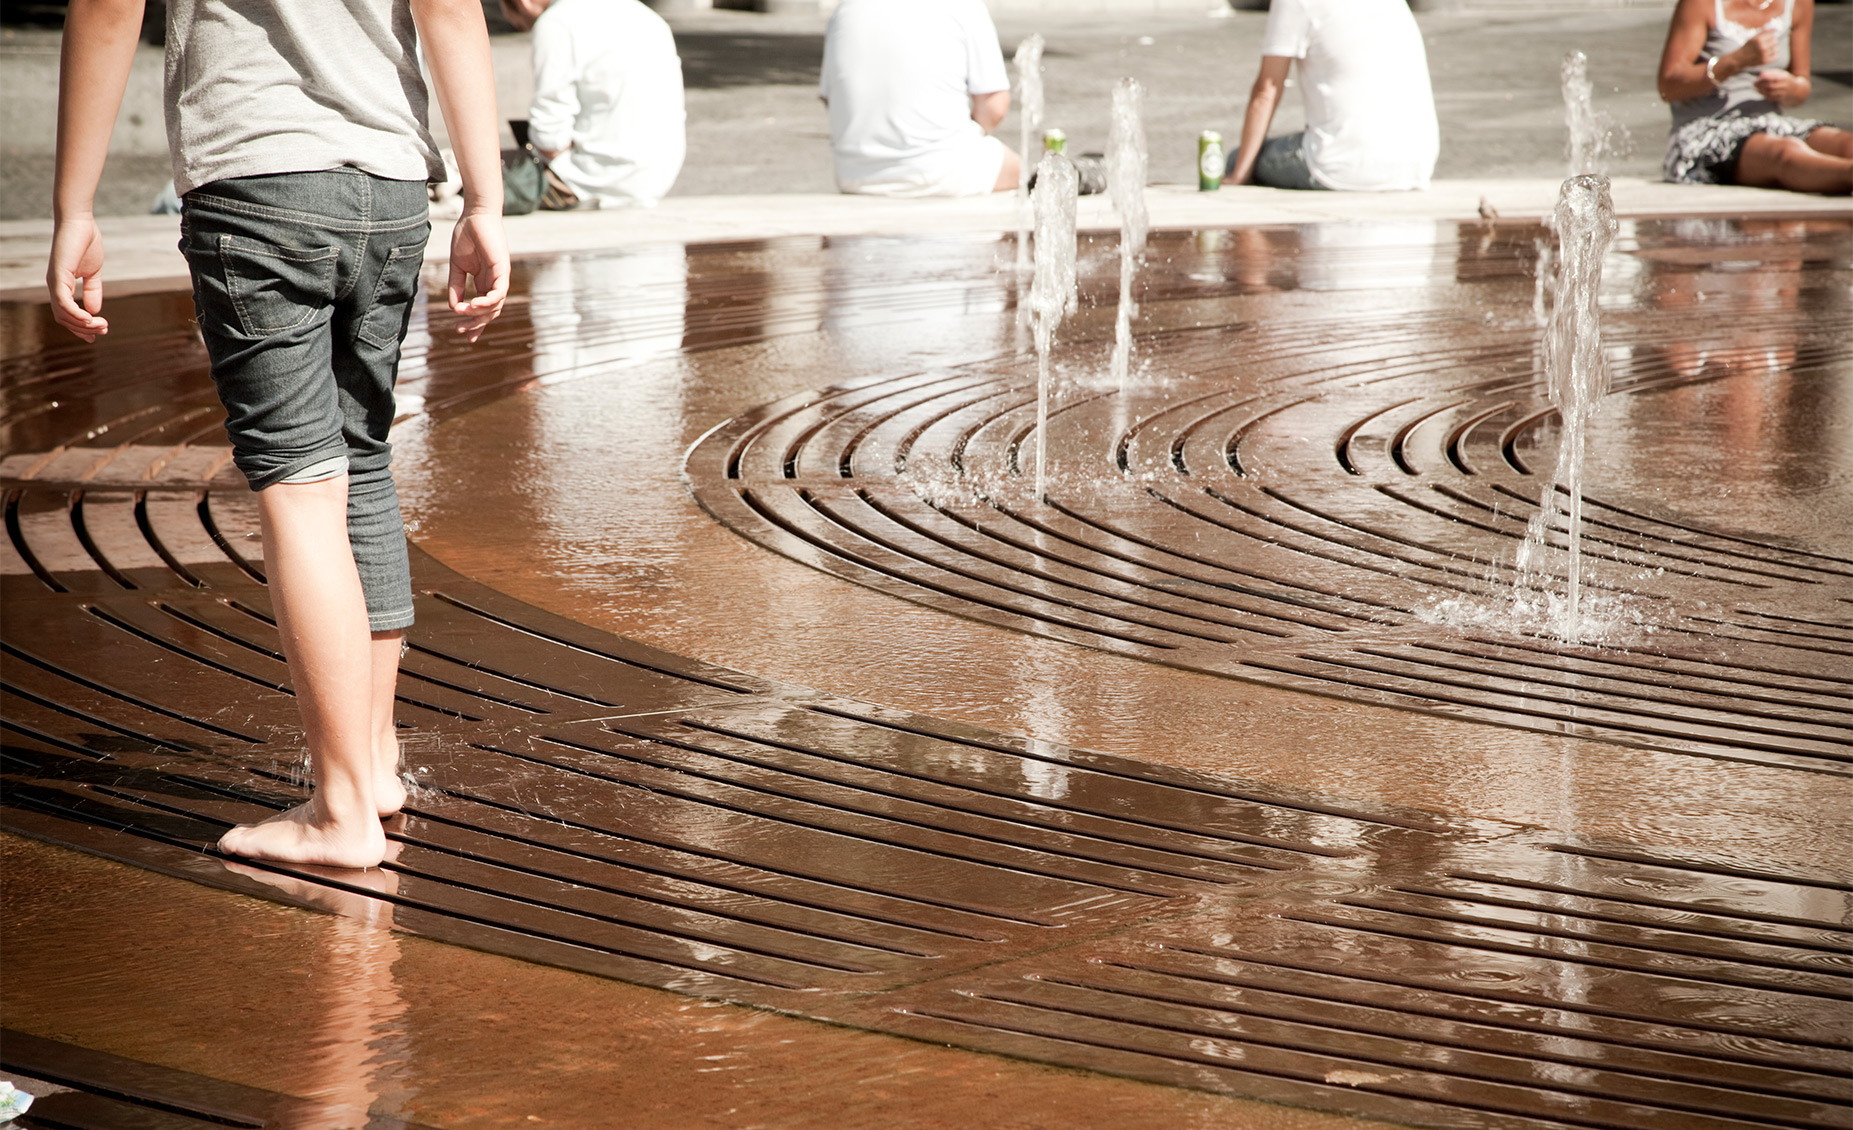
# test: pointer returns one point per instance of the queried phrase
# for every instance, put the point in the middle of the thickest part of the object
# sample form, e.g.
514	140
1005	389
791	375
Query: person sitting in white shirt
607	114
914	89
1370	111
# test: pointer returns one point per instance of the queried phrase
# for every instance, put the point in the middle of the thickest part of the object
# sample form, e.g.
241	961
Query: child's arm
99	47
457	50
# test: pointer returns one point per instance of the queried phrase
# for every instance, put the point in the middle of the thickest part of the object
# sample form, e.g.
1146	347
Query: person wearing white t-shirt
914	89
607	113
1370	112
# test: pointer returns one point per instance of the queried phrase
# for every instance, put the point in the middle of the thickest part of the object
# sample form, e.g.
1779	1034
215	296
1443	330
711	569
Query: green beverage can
1054	141
1209	161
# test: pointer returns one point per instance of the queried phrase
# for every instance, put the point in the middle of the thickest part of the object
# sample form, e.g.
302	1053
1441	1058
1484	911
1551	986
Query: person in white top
607	113
914	89
1370	112
1732	69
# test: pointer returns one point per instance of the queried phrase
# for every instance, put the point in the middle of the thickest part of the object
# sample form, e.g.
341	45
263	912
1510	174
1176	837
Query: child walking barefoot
297	130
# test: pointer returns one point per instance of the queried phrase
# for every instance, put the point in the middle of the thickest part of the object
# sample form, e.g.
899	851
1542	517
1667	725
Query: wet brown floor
1174	775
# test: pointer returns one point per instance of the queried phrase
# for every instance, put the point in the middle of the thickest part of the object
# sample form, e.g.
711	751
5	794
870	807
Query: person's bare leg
388	787
322	616
1789	162
1010	174
1831	140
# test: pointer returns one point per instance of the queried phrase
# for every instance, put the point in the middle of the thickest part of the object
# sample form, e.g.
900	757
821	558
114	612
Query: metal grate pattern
1297	502
592	803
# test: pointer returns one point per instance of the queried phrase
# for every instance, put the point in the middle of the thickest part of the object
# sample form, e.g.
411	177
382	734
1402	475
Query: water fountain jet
1541	283
1126	163
1054	292
1028	62
1577	377
1594	135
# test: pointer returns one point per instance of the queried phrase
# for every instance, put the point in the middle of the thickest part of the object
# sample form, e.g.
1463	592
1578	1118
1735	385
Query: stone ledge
143	254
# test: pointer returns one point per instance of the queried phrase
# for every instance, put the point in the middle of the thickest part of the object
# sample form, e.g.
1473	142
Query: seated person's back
1370	110
900	78
608	106
1370	113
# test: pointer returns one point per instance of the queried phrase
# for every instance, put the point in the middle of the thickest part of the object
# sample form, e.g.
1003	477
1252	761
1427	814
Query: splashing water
1054	293
1594	135
1028	61
1126	159
1578	378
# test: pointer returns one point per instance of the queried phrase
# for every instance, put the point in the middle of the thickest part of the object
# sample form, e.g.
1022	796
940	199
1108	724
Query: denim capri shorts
304	284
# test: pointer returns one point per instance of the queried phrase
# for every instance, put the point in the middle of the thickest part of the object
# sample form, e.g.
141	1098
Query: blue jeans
304	284
1282	163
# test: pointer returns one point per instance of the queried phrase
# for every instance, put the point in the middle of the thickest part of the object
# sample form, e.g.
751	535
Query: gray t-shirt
256	87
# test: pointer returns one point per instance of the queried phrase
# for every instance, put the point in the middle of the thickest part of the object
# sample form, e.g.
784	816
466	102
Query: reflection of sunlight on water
1382	254
1074	455
607	312
1098	374
941	485
1618	620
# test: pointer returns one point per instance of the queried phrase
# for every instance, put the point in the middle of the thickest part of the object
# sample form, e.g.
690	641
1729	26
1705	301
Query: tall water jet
1054	292
1126	161
1577	377
1594	135
1028	62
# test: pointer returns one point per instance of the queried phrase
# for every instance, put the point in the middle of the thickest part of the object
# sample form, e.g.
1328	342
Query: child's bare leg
322	615
388	788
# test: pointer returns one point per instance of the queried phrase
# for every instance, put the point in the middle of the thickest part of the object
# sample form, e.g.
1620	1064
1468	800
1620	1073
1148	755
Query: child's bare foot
389	793
306	834
388	785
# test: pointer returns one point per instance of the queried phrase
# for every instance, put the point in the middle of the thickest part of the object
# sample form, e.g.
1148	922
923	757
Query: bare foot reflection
353	1068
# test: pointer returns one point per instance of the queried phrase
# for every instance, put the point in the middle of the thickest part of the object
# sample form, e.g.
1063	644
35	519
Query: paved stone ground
755	125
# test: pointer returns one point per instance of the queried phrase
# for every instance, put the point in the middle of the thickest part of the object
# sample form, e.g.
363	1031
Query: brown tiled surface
596	803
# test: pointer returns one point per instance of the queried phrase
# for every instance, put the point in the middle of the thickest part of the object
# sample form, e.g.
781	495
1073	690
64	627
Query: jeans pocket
276	288
383	323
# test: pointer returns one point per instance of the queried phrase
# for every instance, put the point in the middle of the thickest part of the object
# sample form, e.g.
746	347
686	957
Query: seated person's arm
989	109
1683	73
1263	100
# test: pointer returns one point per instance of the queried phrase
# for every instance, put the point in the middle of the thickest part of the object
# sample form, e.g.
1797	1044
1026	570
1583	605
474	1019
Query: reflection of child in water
304	223
351	1064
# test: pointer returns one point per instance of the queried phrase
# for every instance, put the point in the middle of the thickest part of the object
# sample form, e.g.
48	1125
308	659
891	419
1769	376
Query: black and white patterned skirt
1705	150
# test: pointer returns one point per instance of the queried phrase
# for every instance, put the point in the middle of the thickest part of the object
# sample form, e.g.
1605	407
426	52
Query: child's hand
77	254
479	261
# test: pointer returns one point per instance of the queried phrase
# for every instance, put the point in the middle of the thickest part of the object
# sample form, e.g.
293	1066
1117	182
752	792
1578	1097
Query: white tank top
1737	94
